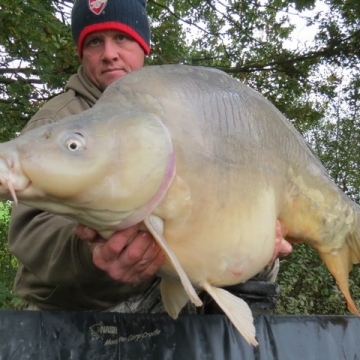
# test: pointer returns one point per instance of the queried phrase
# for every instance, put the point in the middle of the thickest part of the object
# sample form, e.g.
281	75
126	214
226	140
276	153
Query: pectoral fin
156	226
174	296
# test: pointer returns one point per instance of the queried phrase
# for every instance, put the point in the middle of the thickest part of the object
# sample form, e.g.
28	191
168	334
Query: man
65	265
58	270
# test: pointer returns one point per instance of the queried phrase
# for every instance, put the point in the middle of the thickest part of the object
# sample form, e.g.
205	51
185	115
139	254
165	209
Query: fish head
103	160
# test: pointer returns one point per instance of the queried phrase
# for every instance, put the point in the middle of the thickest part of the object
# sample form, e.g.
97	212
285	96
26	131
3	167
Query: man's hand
130	256
282	247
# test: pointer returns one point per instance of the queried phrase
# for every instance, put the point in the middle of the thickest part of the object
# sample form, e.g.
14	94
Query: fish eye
74	142
73	145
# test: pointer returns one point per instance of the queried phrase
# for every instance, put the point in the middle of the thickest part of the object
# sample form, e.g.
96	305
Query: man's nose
110	51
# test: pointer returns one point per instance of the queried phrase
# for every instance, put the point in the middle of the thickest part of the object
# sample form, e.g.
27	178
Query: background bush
8	263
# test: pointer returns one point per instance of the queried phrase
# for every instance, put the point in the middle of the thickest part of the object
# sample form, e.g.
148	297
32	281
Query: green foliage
8	263
307	287
37	55
8	300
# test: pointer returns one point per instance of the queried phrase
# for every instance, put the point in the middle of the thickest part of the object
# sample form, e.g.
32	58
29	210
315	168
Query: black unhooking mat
92	336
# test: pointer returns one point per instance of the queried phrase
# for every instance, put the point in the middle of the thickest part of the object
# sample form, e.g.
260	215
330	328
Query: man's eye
121	37
93	42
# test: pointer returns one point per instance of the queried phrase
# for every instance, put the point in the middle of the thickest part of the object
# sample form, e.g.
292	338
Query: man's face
109	55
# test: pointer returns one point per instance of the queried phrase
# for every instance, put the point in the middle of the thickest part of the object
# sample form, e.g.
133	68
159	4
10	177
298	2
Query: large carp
207	164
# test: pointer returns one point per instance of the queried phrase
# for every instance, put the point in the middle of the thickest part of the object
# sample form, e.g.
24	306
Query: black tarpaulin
87	336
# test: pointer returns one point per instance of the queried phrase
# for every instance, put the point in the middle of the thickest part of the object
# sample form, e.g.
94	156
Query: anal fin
237	310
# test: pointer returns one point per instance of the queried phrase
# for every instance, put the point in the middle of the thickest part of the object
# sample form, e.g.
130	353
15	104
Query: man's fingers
129	257
282	247
141	250
143	244
150	268
112	248
85	233
285	248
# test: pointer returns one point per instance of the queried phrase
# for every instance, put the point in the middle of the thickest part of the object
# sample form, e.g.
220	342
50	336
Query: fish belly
225	247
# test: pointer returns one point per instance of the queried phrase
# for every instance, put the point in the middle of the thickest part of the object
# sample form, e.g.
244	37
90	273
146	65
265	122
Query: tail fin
237	310
340	263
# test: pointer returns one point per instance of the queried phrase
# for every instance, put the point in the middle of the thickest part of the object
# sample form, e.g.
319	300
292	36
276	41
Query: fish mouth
10	188
12	180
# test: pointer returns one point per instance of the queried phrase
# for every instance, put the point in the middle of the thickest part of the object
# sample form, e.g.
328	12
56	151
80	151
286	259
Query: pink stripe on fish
140	214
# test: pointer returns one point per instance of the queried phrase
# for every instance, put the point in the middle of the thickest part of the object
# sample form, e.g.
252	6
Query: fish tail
341	261
237	310
339	265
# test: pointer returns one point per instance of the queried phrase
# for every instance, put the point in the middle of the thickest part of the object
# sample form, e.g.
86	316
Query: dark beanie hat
128	16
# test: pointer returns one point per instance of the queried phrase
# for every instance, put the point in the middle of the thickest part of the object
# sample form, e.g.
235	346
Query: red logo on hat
97	6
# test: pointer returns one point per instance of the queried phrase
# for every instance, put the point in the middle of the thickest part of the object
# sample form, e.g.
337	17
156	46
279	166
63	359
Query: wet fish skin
208	164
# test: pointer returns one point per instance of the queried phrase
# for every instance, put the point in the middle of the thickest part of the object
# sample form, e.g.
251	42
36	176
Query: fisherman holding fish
68	266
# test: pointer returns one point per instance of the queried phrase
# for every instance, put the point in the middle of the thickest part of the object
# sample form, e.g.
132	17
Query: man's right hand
282	247
129	256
